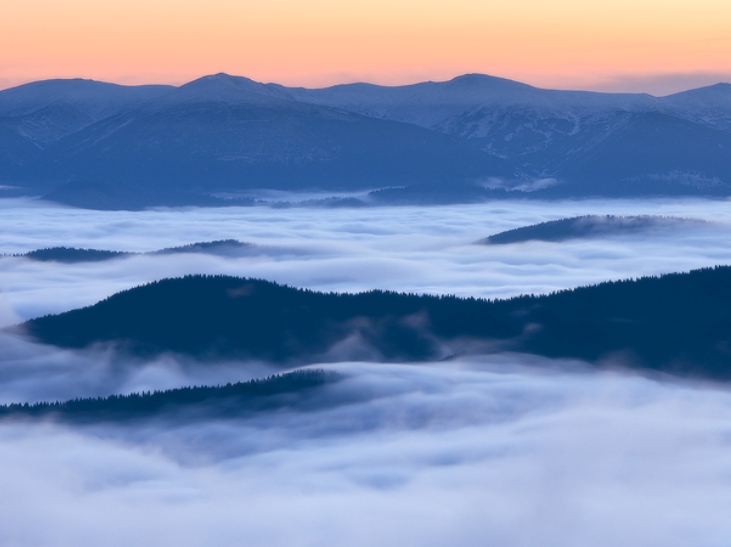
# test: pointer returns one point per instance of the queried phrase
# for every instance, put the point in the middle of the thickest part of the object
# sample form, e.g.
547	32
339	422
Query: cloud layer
31	372
475	453
506	450
412	249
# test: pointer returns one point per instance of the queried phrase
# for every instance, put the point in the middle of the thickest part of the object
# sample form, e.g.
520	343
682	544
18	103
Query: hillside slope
676	323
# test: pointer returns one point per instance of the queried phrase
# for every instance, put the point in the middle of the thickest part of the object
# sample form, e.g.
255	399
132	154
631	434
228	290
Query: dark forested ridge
249	318
294	389
72	255
677	323
587	226
218	247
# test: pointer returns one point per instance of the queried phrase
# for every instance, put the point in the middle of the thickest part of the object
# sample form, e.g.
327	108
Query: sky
657	46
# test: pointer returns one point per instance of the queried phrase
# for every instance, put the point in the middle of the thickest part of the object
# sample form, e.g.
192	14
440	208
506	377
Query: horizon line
365	82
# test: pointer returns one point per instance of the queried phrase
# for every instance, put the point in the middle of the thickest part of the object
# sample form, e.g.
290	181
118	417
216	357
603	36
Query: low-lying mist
496	451
407	249
503	450
31	372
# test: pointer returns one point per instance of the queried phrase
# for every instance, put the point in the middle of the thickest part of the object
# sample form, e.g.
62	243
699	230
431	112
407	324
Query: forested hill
296	389
676	323
72	255
589	226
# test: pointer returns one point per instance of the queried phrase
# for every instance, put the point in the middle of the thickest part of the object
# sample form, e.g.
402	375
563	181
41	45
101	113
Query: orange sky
652	45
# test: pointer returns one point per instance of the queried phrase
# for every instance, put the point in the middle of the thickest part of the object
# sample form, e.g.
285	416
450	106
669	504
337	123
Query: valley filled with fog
396	454
409	249
465	451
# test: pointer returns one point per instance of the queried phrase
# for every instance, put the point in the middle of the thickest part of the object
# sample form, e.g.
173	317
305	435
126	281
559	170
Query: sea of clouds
503	450
412	249
481	452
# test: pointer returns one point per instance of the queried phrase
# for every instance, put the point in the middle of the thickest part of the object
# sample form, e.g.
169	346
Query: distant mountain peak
36	95
220	79
718	90
224	87
715	97
475	78
225	78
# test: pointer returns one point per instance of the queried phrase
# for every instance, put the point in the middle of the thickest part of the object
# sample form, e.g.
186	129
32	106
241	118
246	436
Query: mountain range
102	145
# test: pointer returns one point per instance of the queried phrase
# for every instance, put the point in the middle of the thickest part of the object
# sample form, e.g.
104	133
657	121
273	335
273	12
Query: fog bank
410	249
474	453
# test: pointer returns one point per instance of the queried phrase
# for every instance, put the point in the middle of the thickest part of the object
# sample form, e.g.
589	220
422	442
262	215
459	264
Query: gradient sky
659	46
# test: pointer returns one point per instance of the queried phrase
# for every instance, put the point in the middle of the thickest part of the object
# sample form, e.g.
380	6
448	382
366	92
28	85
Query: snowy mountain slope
541	130
707	105
45	111
223	132
434	104
655	153
437	104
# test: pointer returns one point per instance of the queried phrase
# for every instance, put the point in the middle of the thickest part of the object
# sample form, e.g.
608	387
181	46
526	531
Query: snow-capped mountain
223	133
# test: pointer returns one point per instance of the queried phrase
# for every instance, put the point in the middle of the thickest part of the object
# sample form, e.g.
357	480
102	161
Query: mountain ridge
675	323
297	389
158	145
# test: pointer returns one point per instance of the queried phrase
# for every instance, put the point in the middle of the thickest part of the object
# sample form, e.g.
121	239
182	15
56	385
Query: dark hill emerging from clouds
678	323
587	227
72	255
296	390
